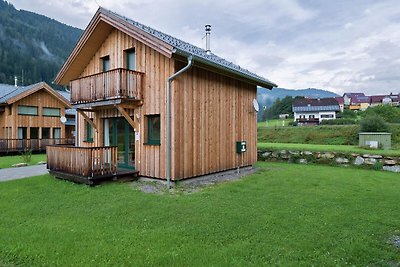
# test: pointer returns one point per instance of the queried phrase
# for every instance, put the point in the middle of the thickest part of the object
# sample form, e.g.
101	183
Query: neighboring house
360	103
340	101
312	111
391	99
376	100
154	104
30	117
347	97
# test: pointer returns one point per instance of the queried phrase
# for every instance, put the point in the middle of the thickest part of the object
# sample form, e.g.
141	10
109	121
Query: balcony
111	86
35	145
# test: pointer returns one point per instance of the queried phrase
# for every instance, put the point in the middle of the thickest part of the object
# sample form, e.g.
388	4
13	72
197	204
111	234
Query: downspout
168	147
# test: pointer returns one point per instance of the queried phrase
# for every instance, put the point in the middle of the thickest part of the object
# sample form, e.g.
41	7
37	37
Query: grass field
273	123
287	215
326	135
8	161
330	148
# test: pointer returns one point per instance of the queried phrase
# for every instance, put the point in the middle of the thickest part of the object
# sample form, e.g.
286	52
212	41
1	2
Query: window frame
103	60
89	133
28	114
128	52
51	108
150	130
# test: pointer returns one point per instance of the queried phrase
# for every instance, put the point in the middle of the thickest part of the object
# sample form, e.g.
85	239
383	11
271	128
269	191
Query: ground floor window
56	133
34	132
153	129
22	133
89	132
45	133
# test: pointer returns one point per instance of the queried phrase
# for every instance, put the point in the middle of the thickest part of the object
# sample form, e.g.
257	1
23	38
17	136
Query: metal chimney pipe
15	81
208	32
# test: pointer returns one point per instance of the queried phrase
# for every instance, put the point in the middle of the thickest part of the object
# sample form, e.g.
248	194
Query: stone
266	154
328	155
370	161
41	163
295	153
392	168
390	162
307	153
341	160
376	156
20	165
354	155
303	161
275	154
359	161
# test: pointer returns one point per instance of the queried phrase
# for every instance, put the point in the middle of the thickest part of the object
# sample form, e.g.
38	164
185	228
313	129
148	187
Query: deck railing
113	84
18	145
82	161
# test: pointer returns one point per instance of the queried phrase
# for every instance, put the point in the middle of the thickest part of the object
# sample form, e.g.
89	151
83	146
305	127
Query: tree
373	123
386	112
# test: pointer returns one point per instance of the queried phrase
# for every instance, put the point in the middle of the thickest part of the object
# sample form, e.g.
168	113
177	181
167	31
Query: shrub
26	156
341	121
373	123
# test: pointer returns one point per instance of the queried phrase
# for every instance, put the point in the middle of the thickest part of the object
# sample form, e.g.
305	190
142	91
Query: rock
392	168
266	154
307	153
370	161
376	156
354	155
275	154
390	162
41	163
359	161
328	155
366	155
20	165
295	153
303	161
341	160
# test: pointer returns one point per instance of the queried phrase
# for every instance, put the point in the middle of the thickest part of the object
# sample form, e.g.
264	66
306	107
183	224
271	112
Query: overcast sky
340	45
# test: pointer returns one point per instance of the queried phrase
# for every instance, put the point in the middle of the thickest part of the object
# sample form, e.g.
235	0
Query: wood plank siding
10	120
210	112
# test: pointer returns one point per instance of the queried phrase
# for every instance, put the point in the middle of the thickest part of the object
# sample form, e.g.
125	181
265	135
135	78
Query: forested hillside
32	47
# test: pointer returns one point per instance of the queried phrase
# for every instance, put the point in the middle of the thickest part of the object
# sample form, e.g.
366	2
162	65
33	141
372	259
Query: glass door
122	135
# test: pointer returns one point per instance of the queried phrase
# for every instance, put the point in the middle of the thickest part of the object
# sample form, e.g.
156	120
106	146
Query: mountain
267	97
32	47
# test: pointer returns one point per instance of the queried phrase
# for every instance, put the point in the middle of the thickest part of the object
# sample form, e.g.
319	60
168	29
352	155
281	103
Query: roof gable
23	91
104	21
309	104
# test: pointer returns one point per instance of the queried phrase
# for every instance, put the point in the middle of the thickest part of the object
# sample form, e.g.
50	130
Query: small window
28	110
153	129
34	132
22	133
56	133
45	133
106	63
130	59
89	132
51	112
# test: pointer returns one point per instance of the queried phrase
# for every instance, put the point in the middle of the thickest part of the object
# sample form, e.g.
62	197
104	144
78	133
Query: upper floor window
51	112
28	110
130	59
106	63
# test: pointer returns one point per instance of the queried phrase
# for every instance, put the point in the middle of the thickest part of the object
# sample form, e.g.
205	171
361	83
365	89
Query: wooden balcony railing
82	161
18	145
113	84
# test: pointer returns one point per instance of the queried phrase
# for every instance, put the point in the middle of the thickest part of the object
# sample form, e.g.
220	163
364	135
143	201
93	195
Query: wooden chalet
154	104
30	117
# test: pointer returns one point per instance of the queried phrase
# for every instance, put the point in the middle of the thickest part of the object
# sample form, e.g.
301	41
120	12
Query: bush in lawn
373	123
386	112
26	156
339	122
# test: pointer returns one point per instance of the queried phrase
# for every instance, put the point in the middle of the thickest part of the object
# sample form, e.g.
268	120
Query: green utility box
375	140
241	147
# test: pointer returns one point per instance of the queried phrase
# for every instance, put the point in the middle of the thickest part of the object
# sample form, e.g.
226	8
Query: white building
312	111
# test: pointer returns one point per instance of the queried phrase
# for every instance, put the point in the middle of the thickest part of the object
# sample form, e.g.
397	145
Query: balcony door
118	132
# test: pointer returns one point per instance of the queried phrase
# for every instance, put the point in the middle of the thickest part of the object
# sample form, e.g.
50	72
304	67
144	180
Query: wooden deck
87	165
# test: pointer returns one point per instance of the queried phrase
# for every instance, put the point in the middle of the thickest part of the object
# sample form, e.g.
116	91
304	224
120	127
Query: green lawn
8	161
273	123
287	215
330	148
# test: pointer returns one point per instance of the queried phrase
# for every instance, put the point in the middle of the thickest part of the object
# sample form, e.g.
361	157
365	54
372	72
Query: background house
119	74
30	117
312	111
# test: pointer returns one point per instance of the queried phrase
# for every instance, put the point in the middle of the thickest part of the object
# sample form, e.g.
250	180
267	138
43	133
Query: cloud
337	45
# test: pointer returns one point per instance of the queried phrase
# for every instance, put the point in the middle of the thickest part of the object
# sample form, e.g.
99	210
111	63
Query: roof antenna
15	81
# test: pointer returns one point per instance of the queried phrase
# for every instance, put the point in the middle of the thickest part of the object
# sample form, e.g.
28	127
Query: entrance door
122	135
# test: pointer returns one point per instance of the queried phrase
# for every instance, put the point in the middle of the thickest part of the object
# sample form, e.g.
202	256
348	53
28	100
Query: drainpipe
168	148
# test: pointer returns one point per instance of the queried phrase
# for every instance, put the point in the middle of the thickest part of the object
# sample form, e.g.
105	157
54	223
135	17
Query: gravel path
22	172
